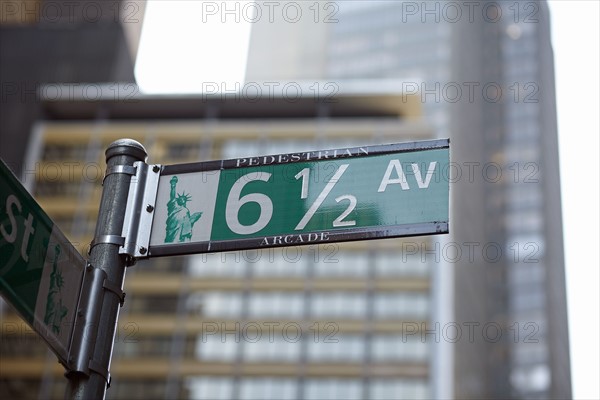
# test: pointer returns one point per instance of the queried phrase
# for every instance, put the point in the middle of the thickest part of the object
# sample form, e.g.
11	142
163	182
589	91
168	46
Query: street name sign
358	193
41	273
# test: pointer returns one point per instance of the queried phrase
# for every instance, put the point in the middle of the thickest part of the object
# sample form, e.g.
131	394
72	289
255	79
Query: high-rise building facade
484	74
512	129
346	321
81	42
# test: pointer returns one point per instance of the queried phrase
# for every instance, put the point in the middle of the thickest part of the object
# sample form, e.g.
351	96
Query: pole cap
126	147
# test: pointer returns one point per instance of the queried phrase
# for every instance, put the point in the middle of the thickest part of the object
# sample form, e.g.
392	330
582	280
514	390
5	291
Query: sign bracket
96	285
106	239
139	213
86	325
101	370
119	169
116	290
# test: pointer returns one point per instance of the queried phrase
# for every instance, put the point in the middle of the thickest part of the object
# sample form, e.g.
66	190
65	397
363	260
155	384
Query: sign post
359	193
91	377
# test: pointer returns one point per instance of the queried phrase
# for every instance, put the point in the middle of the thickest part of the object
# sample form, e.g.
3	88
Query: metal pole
104	255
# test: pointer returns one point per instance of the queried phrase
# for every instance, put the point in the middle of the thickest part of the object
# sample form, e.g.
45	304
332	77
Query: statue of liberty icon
55	310
180	221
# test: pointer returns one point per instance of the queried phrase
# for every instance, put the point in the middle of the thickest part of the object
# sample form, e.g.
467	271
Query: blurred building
346	321
81	42
485	80
484	73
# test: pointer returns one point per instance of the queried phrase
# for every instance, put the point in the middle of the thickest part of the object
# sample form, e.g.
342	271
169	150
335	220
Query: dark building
80	42
525	289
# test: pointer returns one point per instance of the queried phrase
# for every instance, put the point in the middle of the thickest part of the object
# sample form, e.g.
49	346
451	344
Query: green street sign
41	273
368	192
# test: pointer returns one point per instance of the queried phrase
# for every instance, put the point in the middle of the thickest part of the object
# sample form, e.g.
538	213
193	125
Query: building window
24	344
268	388
531	379
229	264
338	305
398	348
61	189
241	148
154	304
384	389
342	389
217	347
130	344
530	297
524	196
401	305
526	274
182	152
139	389
262	345
529	351
63	152
215	304
401	264
279	262
333	262
526	248
336	348
209	388
524	221
276	304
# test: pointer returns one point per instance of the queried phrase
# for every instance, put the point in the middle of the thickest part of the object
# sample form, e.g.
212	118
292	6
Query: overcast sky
575	39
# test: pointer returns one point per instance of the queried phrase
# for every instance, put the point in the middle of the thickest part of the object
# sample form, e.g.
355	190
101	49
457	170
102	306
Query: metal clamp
99	368
140	210
87	322
96	284
111	287
119	169
106	239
